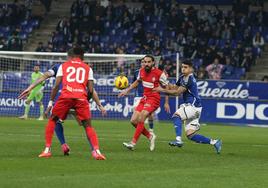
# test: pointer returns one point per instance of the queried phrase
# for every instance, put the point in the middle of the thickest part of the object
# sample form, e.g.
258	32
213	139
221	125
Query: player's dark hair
188	62
76	51
150	56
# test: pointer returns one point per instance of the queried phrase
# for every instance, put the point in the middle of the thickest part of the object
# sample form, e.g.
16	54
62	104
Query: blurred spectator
14	42
215	70
97	26
40	47
258	41
228	69
202	73
247	59
3	44
226	32
265	78
161	27
209	56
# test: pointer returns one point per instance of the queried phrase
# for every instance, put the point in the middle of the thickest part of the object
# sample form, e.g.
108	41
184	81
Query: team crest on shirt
153	79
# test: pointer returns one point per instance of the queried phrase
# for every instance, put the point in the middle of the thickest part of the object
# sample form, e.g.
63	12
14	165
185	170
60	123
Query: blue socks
199	139
177	125
151	124
59	132
177	122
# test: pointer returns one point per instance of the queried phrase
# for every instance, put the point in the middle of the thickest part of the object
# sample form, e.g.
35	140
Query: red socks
49	132
140	129
92	137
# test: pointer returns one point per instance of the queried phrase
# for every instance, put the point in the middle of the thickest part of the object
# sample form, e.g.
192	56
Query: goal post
15	75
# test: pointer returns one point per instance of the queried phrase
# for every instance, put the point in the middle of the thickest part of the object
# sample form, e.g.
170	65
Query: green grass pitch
242	163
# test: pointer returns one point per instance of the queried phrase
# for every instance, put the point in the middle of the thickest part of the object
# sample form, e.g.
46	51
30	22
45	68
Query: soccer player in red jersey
77	80
151	77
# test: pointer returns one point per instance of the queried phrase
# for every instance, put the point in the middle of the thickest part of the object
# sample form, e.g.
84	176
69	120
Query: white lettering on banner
236	93
11	102
249	111
260	112
125	108
104	82
128	108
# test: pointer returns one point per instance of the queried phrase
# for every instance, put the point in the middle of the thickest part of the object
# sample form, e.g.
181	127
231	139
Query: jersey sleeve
90	75
163	79
59	73
54	70
178	83
139	75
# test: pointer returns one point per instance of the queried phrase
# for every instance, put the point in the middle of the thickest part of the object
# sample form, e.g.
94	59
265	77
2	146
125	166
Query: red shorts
148	104
63	105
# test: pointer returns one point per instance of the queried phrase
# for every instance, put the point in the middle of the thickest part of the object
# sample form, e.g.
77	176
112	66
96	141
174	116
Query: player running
138	97
77	81
190	110
151	77
35	94
52	72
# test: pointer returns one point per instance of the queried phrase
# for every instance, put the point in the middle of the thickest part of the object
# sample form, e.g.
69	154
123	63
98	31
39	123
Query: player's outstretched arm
27	91
95	97
54	92
126	91
171	91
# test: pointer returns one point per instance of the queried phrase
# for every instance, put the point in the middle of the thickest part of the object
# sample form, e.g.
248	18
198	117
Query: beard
147	69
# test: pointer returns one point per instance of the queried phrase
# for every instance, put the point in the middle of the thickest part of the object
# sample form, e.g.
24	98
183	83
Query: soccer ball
121	82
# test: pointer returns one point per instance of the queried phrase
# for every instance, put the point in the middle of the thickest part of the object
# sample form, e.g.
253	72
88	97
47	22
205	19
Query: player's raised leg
140	129
135	120
198	138
192	126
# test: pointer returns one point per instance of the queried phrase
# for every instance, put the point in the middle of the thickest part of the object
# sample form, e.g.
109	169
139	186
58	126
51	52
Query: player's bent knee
134	122
190	134
85	123
55	118
176	116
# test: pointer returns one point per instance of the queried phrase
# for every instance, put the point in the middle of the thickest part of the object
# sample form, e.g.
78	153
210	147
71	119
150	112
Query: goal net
15	76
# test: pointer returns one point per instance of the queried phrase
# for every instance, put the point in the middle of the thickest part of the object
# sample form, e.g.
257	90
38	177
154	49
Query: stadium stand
200	34
16	25
229	30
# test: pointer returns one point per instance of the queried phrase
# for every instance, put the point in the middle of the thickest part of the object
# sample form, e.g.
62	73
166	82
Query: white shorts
190	114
